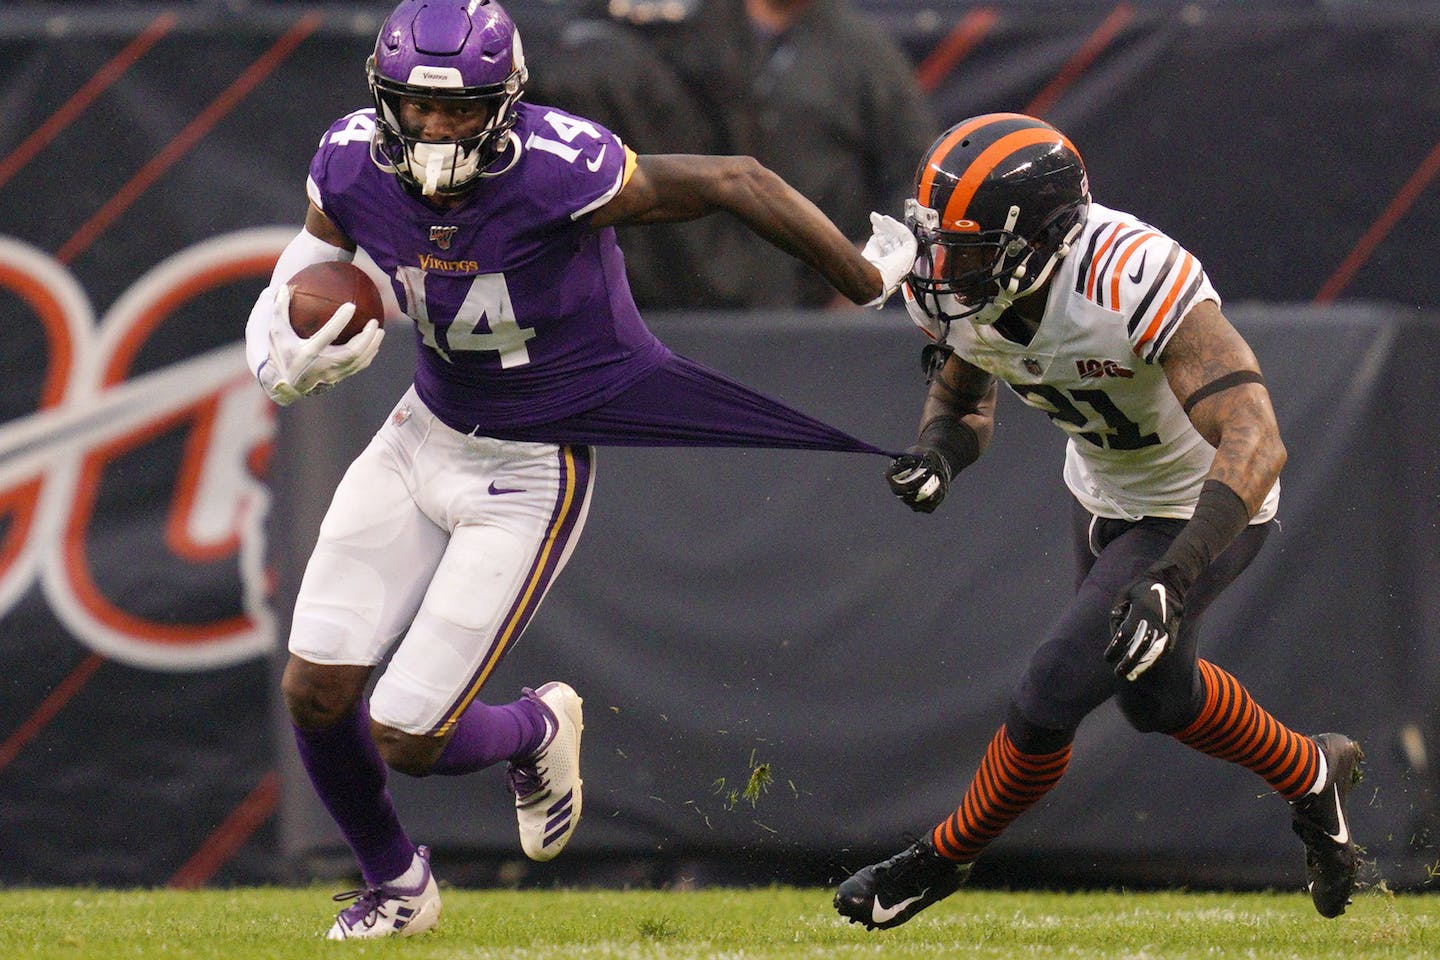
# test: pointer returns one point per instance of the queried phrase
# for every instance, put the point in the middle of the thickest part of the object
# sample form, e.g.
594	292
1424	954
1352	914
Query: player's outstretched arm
956	425
675	187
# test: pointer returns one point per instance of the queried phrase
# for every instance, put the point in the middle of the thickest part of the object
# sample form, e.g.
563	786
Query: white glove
892	249
297	367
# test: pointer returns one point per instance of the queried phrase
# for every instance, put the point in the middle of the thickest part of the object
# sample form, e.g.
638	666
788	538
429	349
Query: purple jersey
523	312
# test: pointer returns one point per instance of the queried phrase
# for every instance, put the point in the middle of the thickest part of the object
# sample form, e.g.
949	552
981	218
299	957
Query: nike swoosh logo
885	914
593	165
1159	588
1139	270
496	491
1343	837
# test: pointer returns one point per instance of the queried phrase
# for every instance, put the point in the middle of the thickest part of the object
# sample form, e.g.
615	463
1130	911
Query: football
318	291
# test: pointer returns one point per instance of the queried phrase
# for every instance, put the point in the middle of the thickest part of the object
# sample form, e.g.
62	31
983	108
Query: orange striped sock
1007	784
1231	726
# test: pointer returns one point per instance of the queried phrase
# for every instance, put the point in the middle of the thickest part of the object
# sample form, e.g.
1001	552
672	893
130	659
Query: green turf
257	923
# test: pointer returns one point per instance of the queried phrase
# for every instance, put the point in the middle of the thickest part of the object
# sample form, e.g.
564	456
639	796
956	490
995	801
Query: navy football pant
1068	677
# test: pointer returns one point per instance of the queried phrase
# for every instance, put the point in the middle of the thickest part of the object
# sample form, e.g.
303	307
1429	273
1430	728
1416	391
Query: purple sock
349	777
485	735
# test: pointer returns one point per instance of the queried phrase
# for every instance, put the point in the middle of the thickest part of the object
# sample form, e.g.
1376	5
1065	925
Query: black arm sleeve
1220	516
952	439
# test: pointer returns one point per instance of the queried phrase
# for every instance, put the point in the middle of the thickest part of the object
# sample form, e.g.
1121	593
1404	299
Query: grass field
258	923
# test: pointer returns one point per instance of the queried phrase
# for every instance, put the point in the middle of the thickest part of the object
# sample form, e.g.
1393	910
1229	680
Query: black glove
920	478
1144	622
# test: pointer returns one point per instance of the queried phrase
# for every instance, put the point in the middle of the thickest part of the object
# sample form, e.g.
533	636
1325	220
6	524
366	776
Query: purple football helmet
450	50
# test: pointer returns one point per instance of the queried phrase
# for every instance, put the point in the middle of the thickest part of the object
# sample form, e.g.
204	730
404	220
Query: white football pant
450	539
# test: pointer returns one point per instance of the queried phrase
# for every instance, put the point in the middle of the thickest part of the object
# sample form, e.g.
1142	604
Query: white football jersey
1093	367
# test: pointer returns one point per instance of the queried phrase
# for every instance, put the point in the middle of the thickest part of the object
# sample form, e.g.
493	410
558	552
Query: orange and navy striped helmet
998	198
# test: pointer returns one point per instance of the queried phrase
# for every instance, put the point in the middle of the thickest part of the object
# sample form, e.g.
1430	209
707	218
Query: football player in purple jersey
493	219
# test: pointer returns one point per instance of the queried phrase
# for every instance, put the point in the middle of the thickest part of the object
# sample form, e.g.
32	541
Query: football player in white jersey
1112	330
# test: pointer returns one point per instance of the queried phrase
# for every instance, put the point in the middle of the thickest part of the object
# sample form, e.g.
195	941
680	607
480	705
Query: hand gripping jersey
522	311
1093	368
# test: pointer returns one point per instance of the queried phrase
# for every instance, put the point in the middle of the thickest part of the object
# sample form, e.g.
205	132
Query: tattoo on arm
961	386
1215	376
965	392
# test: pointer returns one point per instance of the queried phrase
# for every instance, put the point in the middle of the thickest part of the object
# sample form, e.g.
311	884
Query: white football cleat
389	910
547	783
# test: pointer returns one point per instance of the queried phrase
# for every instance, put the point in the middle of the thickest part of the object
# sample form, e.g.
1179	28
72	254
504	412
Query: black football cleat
1330	855
886	894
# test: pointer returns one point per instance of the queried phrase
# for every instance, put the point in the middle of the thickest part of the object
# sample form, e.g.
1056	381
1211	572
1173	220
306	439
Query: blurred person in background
493	219
1114	331
813	89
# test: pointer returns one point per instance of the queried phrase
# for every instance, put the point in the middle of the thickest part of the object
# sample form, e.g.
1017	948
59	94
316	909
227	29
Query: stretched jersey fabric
522	311
1093	368
687	403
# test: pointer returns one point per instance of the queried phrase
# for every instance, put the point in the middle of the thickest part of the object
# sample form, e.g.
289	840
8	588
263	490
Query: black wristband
952	439
1220	516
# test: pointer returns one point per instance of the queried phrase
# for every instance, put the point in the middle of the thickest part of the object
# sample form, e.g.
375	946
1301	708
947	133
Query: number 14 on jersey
485	321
